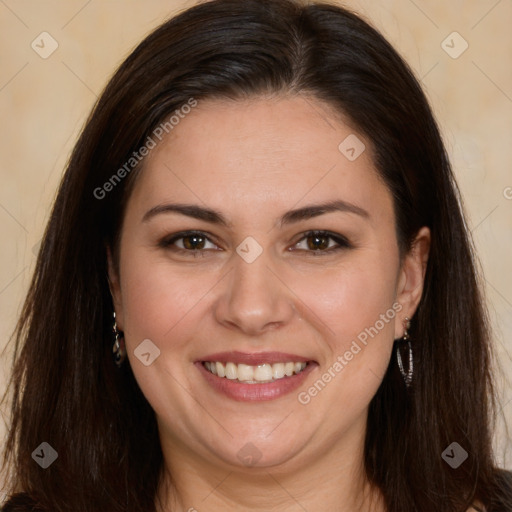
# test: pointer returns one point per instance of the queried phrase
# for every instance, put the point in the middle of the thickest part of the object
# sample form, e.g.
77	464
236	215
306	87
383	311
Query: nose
254	298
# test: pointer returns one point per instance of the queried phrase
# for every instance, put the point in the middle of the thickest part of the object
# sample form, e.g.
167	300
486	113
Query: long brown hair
65	389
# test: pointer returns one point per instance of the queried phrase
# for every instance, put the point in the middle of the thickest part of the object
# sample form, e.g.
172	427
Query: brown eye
190	241
317	242
321	241
193	242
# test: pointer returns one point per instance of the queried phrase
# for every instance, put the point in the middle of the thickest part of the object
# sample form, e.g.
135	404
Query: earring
407	375
118	350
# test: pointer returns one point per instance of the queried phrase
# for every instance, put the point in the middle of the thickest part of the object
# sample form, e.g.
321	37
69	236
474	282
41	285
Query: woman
259	220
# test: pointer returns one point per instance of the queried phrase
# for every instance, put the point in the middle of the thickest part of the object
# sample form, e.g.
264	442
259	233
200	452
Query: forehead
262	152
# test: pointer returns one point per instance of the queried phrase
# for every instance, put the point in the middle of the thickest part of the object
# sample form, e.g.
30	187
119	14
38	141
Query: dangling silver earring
118	350
407	375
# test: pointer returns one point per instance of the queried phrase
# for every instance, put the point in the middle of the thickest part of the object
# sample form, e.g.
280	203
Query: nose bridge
254	298
252	278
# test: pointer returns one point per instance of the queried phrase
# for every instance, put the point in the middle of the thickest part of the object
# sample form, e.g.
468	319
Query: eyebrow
290	217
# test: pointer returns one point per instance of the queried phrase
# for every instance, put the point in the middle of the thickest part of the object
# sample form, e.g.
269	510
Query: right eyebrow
190	210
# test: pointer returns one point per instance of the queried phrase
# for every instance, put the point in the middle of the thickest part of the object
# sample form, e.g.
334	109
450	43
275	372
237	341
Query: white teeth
278	370
263	372
220	369
288	369
231	371
254	374
245	372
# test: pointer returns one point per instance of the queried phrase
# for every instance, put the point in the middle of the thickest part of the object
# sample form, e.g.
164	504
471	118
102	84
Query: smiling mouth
255	374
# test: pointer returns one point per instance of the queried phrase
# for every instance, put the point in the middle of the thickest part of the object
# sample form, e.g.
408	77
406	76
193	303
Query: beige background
44	102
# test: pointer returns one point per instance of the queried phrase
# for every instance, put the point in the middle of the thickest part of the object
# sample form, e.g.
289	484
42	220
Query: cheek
357	308
158	300
352	297
367	345
164	305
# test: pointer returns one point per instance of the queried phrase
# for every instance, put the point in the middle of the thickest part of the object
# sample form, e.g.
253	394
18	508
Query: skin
254	160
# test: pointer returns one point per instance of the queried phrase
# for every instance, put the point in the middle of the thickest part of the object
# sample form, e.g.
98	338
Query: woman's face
252	293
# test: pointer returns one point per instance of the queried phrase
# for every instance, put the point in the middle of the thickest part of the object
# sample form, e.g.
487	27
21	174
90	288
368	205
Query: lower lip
255	392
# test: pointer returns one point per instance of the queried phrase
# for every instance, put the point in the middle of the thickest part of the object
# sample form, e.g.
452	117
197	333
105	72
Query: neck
333	480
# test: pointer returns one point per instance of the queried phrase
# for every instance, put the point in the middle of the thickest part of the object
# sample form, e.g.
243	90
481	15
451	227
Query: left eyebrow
314	210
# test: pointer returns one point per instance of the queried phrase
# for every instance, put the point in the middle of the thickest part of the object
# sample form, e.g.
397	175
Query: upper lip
254	358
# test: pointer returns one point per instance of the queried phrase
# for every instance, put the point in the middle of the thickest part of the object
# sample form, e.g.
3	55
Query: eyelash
342	242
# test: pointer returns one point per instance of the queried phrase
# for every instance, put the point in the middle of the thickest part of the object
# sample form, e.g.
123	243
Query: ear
412	276
115	288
